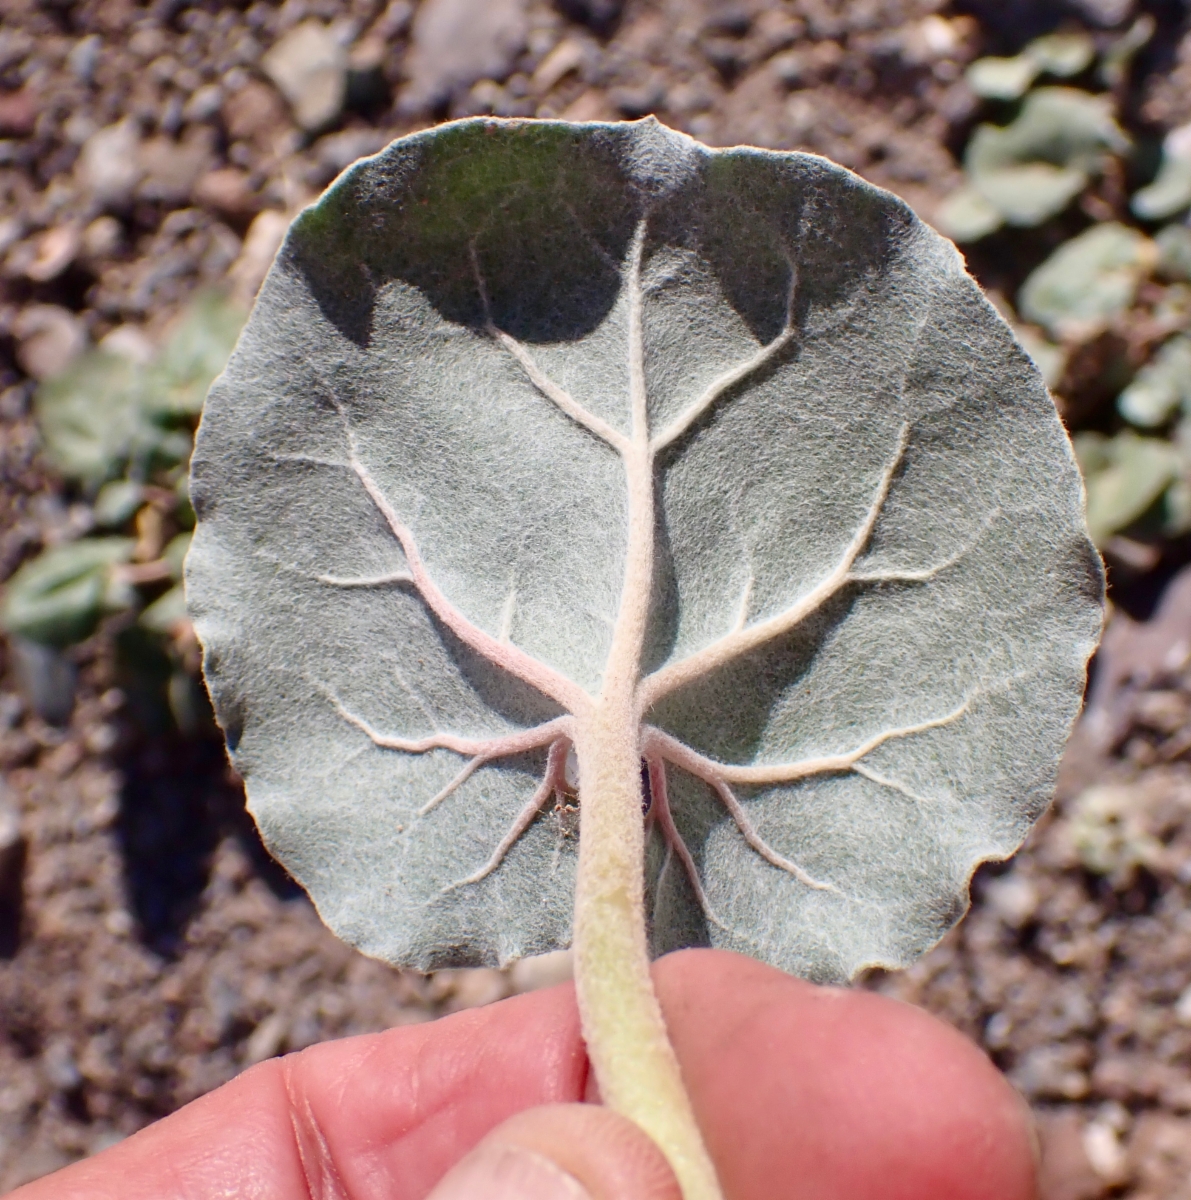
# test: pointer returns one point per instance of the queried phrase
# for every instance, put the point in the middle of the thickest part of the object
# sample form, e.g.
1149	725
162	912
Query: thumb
562	1152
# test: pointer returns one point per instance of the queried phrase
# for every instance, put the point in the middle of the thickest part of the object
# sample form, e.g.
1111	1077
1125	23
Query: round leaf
411	491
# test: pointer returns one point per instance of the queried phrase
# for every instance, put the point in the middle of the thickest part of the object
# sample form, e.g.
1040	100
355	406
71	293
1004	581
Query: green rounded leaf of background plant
391	342
59	597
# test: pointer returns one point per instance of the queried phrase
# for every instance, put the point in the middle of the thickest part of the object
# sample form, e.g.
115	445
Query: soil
149	947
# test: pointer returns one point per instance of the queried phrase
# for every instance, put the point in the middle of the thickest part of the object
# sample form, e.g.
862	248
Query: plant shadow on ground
179	799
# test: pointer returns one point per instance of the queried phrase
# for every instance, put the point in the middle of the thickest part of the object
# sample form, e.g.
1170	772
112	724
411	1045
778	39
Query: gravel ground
149	949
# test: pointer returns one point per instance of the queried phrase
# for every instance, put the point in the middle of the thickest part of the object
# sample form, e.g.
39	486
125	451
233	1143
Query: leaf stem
635	1065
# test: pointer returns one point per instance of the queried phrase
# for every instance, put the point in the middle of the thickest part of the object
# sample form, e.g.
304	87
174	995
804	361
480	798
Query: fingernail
502	1172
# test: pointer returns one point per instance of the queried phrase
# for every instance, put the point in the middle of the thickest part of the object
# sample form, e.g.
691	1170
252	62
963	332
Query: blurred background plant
1106	313
118	425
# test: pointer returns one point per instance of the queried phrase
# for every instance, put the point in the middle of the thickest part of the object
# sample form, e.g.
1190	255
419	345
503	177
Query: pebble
455	43
339	150
84	57
1065	1172
49	339
227	190
11	846
254	113
204	103
309	67
18	111
1013	898
102	237
55	250
261	244
169	170
541	971
569	55
46	677
109	164
127	341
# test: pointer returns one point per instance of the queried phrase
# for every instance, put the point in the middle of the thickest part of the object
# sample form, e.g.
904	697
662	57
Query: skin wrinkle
319	1173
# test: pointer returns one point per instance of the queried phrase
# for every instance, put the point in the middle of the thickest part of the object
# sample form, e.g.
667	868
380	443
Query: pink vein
505	655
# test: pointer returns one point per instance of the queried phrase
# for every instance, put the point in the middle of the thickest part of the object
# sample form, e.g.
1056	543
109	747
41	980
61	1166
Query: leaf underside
874	594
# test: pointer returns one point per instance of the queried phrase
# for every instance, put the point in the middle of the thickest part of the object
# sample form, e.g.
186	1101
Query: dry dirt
149	948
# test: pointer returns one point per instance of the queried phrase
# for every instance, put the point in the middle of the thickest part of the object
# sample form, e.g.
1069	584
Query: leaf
177	381
59	597
1063	54
1125	475
1161	387
1032	168
1088	280
1031	193
1170	192
1001	78
967	216
90	417
116	501
872	595
1174	252
107	411
164	614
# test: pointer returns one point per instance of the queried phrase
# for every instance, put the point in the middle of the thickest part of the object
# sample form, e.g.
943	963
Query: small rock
49	339
227	190
58	1063
55	251
1104	1151
1053	1071
171	169
261	244
569	55
109	164
204	103
470	988
255	113
591	105
1065	1172
340	150
12	229
455	43
309	67
1013	898
394	21
266	1039
46	677
119	922
84	57
127	341
18	111
541	971
102	237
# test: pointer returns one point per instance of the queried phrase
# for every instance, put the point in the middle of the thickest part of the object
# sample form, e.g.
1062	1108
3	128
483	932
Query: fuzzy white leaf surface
874	595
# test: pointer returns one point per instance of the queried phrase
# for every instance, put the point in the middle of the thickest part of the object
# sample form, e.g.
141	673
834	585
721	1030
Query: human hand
801	1091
